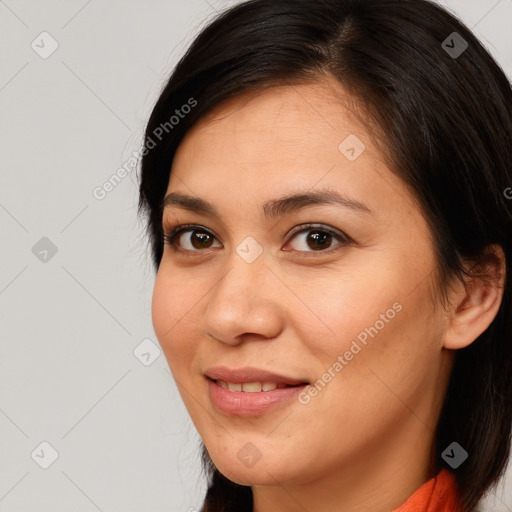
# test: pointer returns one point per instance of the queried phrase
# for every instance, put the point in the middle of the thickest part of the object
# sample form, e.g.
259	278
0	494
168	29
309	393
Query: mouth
251	397
250	391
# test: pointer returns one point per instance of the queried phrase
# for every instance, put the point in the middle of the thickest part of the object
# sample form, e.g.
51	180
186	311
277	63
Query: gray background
70	321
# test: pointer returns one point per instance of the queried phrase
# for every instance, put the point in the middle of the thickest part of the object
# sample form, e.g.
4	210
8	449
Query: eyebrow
273	208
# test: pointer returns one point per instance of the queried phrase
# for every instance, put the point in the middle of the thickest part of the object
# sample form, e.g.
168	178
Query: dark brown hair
447	125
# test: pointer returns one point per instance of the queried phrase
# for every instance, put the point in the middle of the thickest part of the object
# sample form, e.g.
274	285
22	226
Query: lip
249	374
241	403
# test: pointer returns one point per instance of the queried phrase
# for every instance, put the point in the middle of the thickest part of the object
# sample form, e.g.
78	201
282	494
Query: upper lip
249	374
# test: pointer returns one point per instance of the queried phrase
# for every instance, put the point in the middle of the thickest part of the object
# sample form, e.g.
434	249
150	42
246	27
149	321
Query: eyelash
170	238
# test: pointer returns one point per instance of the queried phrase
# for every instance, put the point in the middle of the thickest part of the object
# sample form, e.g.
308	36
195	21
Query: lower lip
243	403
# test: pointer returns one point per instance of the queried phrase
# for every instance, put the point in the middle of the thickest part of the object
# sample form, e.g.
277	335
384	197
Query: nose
245	303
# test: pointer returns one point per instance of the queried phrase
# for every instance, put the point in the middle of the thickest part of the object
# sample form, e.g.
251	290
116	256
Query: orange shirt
437	495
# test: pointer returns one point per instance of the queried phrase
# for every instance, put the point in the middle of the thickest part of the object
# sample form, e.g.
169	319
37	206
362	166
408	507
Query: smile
250	398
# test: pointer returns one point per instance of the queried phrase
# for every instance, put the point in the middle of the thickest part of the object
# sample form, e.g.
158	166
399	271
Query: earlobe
474	305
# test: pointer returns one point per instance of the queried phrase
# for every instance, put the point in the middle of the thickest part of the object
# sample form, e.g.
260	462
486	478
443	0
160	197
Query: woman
325	188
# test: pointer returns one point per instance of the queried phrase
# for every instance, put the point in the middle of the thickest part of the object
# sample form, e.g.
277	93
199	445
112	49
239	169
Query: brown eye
317	240
200	240
190	239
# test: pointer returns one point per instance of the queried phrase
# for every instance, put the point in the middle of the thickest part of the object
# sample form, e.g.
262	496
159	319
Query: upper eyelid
311	225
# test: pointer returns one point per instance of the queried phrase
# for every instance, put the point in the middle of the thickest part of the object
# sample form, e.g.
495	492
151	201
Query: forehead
286	129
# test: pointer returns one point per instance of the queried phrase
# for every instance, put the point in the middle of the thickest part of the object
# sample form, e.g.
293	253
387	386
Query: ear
475	304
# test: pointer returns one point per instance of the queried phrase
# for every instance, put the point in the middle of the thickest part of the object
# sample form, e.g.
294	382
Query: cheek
175	295
347	307
374	319
400	352
169	310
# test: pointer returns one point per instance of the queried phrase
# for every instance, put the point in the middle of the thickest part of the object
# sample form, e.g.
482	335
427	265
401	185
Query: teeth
251	387
222	384
248	387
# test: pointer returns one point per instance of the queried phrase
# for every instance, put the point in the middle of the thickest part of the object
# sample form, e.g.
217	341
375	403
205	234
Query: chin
251	477
261	473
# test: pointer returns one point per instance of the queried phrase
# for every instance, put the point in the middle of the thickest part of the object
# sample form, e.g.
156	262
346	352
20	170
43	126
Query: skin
364	441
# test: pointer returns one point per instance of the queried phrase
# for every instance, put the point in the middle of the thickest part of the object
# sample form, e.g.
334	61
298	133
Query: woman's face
347	306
